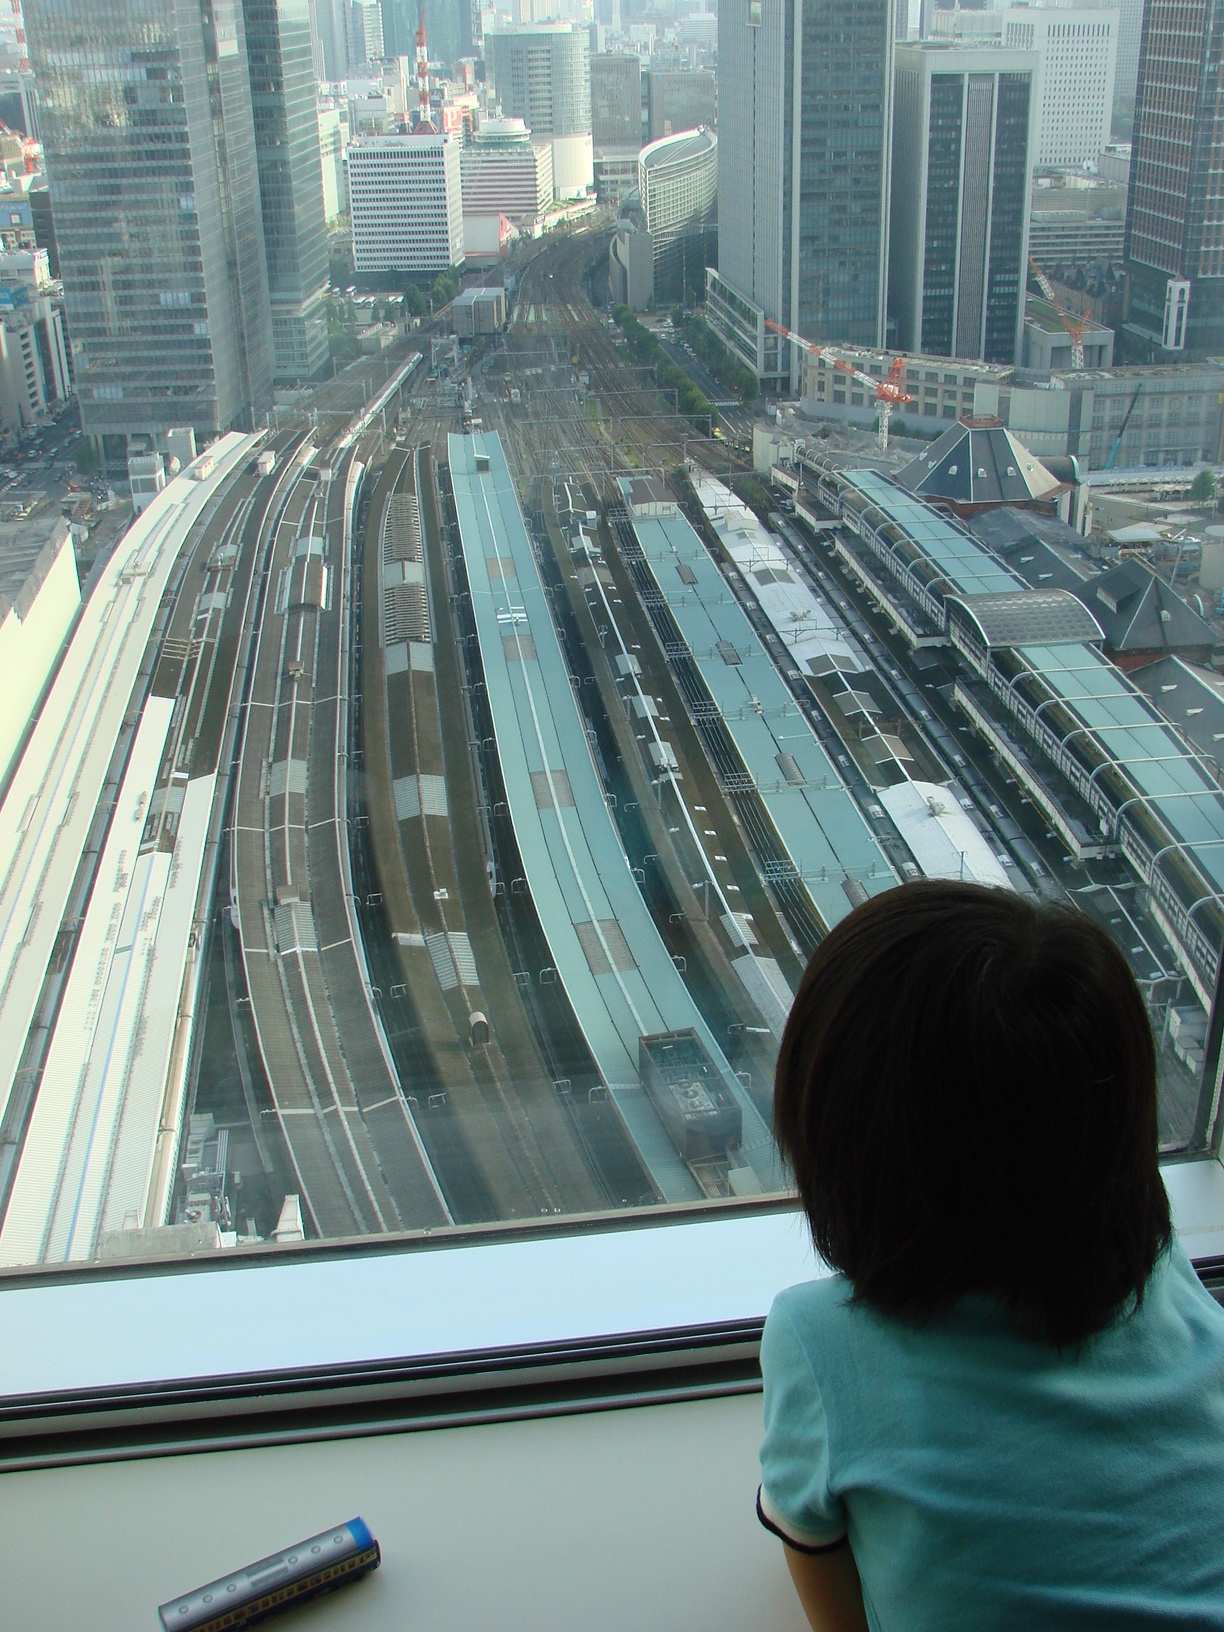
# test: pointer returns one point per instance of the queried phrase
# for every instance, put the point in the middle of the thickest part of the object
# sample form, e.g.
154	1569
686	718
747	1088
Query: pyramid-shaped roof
1140	613
978	461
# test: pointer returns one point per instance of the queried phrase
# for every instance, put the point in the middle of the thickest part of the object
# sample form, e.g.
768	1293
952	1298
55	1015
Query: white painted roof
944	841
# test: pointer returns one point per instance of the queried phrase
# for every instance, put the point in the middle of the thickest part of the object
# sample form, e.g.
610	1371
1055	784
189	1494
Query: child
1005	1411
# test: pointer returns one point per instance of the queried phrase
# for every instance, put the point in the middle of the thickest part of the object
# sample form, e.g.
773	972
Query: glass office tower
804	113
963	142
283	100
1174	224
145	108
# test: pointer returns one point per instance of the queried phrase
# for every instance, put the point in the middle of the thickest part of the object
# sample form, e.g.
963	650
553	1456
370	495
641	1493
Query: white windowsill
238	1319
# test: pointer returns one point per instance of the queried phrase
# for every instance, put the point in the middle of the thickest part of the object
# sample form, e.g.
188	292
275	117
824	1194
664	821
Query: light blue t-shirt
994	1483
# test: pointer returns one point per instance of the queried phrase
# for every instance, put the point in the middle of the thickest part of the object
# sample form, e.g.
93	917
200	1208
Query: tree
86	457
415	304
1203	487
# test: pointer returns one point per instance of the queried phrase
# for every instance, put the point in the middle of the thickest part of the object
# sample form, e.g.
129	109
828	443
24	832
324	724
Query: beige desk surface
623	1521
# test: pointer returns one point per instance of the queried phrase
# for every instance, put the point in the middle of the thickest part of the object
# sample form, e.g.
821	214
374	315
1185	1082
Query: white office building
505	172
406	203
1078	47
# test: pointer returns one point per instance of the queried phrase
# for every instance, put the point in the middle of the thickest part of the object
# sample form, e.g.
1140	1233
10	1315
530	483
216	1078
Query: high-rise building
406	203
616	99
146	117
963	133
804	122
331	26
680	99
365	32
542	75
284	104
1174	224
1130	32
1078	47
678	187
504	172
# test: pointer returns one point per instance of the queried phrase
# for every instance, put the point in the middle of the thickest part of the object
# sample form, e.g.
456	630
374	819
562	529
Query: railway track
356	1154
429	856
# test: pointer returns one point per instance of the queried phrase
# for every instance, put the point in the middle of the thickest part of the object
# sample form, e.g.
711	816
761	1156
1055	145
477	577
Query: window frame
328	1340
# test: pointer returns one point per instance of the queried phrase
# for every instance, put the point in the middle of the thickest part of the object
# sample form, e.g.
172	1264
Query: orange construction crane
889	392
1074	325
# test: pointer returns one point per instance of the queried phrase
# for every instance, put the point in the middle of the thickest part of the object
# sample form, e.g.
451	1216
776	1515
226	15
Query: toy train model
319	1564
702	1116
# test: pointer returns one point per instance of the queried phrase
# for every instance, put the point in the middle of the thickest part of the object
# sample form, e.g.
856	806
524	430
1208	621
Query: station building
1089	748
1126	418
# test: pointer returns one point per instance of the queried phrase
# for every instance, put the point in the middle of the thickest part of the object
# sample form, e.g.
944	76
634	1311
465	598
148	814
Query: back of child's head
966	1093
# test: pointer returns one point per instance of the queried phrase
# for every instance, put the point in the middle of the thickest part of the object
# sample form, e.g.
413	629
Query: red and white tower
424	125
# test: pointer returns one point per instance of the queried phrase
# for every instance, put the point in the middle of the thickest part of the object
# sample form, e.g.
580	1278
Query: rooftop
471	297
1138	612
1050	617
27	551
978	461
1189	697
1039	312
1034	546
684	145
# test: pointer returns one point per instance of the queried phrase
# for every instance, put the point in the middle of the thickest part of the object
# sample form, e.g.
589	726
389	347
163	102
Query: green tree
1203	487
86	457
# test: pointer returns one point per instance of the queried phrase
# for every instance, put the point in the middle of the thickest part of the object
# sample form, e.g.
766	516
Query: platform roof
1051	617
945	841
821	827
1182	792
51	802
952	551
607	951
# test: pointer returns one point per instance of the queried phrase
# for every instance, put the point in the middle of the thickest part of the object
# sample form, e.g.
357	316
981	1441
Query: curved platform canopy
1028	617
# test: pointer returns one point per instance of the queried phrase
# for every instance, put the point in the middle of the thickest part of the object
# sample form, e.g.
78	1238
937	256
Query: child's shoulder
813	1305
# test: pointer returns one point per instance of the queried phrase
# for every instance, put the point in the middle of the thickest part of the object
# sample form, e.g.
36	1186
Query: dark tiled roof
978	463
1190	698
1140	613
1025	541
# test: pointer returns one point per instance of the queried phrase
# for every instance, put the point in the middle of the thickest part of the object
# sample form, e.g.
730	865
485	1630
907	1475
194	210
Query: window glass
436	740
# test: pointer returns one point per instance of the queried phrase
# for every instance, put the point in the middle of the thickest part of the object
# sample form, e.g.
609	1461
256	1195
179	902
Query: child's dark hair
966	1093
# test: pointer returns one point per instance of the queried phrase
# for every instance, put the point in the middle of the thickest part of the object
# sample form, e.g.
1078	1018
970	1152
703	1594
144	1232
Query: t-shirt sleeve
794	1500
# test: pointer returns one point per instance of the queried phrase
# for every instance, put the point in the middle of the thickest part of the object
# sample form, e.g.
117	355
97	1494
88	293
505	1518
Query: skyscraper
963	135
1174	224
804	115
542	74
616	99
681	99
283	102
1078	47
406	203
145	110
332	30
365	32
